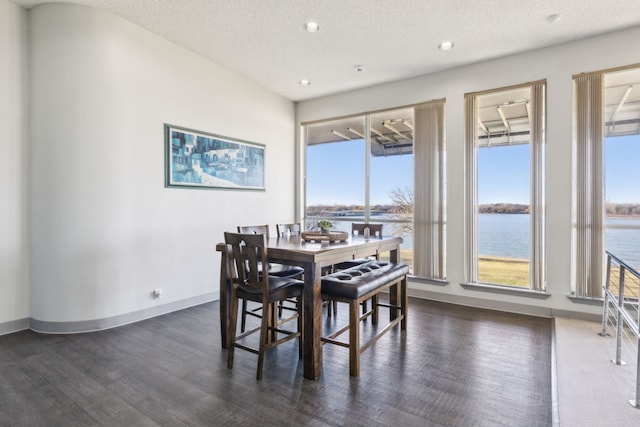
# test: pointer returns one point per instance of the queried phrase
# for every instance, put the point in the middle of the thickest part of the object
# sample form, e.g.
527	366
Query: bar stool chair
248	252
274	269
285	230
288	230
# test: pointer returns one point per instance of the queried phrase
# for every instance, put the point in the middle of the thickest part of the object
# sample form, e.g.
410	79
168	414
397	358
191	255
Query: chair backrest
294	229
247	252
375	230
254	229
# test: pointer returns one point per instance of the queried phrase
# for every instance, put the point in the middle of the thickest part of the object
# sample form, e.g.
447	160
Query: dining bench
360	283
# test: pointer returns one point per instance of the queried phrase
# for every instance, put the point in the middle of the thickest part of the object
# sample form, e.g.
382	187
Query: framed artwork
197	159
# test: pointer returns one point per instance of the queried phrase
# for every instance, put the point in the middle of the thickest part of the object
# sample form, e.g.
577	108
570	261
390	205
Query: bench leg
374	308
394	301
354	339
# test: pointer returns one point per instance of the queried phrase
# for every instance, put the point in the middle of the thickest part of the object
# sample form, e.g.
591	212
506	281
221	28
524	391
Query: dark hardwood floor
455	366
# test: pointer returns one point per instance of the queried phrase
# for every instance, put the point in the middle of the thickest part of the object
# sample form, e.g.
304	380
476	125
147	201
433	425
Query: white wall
14	146
105	230
557	65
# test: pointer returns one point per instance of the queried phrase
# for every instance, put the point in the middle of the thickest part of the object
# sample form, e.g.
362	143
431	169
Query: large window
607	200
621	171
361	169
505	188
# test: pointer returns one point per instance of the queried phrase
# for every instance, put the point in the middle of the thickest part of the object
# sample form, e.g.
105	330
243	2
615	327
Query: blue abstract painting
198	159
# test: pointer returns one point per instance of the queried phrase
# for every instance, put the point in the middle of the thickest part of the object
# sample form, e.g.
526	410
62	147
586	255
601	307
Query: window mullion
471	190
367	174
538	253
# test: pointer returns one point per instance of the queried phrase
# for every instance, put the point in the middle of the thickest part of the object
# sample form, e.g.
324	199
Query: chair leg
231	333
354	339
264	336
243	324
332	307
274	323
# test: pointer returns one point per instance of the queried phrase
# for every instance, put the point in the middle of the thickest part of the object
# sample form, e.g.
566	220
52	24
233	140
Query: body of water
503	235
508	236
624	243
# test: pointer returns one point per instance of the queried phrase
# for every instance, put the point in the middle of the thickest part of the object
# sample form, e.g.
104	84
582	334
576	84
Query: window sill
485	287
585	300
437	282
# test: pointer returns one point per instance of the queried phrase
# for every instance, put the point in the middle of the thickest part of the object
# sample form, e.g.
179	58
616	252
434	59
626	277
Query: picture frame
196	159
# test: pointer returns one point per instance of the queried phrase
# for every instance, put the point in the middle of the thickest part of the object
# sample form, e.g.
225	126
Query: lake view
507	235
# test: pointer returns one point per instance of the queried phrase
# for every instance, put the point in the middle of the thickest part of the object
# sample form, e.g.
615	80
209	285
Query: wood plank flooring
455	366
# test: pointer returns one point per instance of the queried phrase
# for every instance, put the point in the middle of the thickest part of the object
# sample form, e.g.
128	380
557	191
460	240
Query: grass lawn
406	257
503	271
500	271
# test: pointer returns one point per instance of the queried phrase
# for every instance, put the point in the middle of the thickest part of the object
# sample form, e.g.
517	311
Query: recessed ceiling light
312	27
304	82
552	19
445	45
359	68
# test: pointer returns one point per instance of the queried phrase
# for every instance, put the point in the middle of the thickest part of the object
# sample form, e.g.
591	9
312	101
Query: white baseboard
115	321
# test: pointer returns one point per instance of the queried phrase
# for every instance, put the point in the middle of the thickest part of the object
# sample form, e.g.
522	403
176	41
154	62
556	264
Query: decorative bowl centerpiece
323	233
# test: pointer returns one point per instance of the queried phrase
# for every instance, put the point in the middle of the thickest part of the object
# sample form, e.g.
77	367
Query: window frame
537	141
589	219
367	153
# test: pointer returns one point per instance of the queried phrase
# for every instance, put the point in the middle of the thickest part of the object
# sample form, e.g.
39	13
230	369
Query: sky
622	169
336	174
503	174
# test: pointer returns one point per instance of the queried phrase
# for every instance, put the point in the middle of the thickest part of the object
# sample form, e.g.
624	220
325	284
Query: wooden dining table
312	256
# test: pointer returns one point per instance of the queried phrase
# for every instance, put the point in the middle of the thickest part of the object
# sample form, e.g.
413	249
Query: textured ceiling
264	40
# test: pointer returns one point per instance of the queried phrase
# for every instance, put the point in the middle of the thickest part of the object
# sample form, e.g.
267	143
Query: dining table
312	256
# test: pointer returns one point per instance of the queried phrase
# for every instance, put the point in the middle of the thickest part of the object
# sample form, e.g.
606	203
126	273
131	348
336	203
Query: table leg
394	291
312	329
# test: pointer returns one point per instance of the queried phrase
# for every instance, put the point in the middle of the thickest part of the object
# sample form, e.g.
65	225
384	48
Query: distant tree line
504	208
403	207
328	210
623	209
612	209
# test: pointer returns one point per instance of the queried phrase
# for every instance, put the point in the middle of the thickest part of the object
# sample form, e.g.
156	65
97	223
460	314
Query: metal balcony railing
620	308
